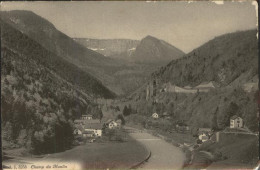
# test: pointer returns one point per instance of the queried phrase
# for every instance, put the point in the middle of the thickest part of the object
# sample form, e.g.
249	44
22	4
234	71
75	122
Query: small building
87	127
96	128
236	122
203	137
78	131
86	117
86	121
205	134
88	134
111	124
155	115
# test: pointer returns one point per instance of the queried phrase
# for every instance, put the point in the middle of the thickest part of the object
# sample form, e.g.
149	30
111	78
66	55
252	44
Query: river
163	155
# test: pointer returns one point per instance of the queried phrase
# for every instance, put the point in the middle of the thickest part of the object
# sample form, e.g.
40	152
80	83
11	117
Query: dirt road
163	155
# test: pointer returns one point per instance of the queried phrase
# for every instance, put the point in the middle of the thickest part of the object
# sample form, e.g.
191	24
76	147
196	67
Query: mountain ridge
108	47
9	35
152	50
62	45
214	55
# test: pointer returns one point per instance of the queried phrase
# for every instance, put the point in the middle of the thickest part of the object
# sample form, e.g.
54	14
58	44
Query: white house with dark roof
95	128
111	124
204	134
236	122
86	127
155	115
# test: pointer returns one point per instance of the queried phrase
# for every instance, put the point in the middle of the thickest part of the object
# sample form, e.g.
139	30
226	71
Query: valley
124	103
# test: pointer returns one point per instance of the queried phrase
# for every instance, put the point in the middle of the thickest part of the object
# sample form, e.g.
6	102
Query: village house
94	128
155	115
88	128
78	131
111	124
86	117
236	122
204	134
88	134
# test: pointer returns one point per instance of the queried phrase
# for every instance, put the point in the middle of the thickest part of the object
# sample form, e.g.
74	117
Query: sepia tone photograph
129	85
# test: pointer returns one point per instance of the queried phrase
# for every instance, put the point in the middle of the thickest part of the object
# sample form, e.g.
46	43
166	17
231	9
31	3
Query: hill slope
223	60
44	32
41	94
24	45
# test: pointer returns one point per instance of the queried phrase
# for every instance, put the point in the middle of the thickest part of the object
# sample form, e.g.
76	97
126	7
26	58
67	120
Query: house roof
109	120
205	130
86	121
79	127
88	115
88	132
118	121
93	126
234	117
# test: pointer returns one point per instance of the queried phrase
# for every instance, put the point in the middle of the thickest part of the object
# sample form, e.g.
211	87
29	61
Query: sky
182	24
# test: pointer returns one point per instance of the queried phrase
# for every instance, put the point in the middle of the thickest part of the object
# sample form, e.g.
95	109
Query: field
160	127
99	155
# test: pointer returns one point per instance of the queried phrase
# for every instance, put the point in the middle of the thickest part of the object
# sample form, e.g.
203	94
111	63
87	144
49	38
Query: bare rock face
110	47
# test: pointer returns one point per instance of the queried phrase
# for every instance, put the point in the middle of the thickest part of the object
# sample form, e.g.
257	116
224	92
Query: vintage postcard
129	85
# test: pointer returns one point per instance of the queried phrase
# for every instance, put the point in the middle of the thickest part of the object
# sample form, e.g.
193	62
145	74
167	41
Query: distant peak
150	37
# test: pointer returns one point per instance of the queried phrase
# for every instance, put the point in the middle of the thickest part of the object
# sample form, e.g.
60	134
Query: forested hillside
41	94
223	60
230	62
